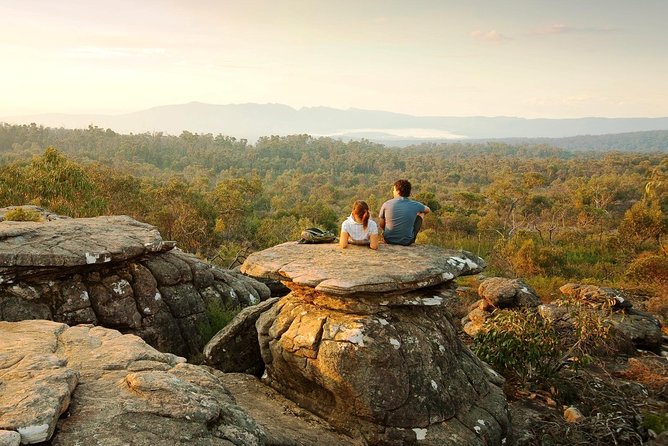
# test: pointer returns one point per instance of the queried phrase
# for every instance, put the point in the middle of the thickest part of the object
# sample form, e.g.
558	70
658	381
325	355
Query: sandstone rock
642	328
597	296
116	272
473	322
284	422
9	438
235	348
573	415
36	383
402	370
115	388
500	292
372	350
631	327
341	272
497	292
73	242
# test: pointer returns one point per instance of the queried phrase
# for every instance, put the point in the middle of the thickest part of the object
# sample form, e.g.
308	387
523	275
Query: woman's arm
343	239
373	241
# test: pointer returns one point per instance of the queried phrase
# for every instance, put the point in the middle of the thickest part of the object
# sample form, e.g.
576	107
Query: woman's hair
361	211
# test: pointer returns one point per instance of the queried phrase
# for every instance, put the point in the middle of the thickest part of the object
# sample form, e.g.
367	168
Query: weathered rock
501	292
36	383
373	351
573	415
235	348
115	388
597	296
642	328
473	322
342	272
116	272
44	214
27	246
498	292
631	327
9	438
284	422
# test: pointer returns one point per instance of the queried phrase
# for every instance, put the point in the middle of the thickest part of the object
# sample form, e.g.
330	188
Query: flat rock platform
360	270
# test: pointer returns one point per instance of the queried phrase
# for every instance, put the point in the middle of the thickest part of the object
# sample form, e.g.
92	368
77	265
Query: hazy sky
529	58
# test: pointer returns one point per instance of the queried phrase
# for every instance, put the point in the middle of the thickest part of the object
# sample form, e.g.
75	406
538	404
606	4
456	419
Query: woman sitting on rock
358	229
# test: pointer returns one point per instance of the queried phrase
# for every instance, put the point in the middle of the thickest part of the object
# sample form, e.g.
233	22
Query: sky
524	58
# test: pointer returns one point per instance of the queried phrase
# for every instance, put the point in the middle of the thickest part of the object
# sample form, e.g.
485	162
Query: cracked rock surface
110	389
118	273
364	340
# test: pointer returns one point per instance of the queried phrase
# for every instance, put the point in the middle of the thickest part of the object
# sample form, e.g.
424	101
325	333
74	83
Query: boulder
632	329
500	292
115	272
235	348
372	349
9	438
597	296
642	329
113	388
283	421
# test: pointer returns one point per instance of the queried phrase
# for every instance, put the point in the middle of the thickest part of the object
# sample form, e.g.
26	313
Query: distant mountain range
251	121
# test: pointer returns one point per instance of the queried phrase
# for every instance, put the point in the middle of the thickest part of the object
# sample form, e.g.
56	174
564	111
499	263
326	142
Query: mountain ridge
253	120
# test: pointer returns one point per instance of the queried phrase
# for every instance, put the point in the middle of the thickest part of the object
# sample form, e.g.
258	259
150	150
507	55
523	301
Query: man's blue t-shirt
400	214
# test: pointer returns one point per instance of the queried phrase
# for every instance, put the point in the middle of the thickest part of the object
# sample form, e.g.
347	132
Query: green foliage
591	330
61	185
518	344
657	422
22	214
649	269
218	317
644	221
530	209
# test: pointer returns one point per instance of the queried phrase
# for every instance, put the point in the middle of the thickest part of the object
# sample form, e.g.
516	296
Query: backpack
317	235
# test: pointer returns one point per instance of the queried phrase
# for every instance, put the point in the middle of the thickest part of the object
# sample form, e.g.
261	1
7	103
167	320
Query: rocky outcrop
633	329
344	272
111	389
283	421
498	292
364	340
118	273
235	348
596	296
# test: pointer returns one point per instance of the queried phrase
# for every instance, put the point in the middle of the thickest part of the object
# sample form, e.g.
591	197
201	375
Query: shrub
656	422
649	269
591	330
219	317
22	214
518	344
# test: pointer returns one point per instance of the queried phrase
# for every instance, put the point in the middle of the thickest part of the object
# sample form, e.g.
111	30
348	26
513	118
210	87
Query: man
401	217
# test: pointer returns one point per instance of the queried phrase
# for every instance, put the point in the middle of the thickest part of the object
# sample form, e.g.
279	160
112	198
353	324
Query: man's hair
403	187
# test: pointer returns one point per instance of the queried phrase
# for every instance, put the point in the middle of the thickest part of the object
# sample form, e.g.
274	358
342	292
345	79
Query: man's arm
381	217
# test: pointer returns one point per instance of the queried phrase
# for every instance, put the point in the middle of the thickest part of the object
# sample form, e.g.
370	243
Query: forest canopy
533	210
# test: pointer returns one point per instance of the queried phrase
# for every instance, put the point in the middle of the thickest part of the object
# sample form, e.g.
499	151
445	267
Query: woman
358	229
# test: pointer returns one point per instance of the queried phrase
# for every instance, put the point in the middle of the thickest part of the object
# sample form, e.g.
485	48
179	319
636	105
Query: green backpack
316	235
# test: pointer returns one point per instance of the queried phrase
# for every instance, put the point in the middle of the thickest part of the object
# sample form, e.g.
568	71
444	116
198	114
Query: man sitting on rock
401	218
